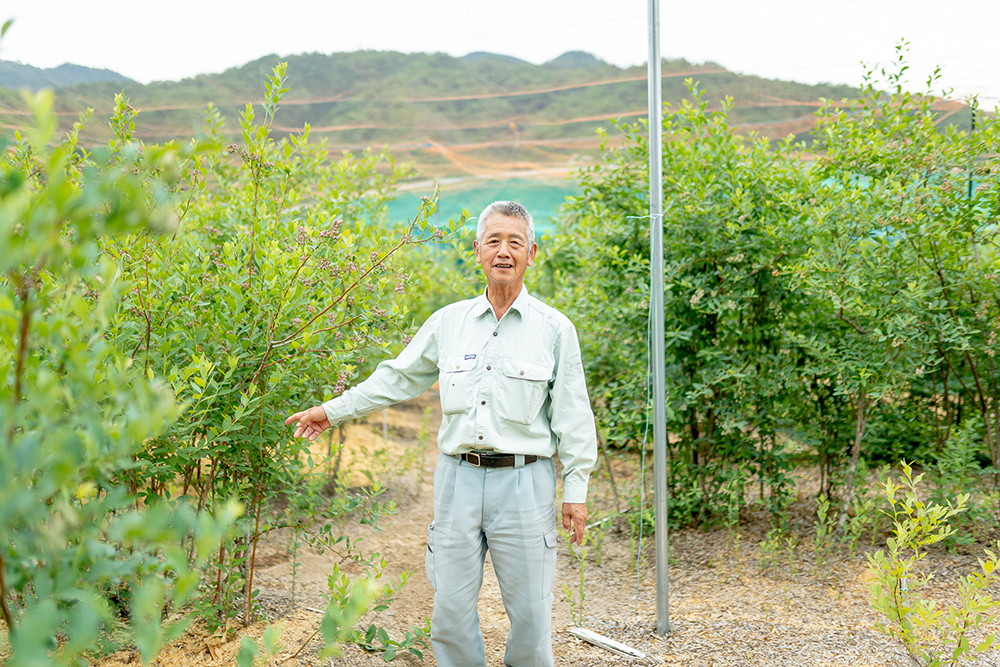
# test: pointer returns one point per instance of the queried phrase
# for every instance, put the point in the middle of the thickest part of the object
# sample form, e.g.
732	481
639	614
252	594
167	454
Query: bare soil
726	605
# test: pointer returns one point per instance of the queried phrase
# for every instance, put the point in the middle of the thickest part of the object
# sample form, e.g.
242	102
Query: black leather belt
483	460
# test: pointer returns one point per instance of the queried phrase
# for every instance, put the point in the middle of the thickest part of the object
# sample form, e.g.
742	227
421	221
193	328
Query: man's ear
531	253
475	249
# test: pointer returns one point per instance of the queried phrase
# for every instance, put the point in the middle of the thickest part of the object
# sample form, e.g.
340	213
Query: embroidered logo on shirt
470	356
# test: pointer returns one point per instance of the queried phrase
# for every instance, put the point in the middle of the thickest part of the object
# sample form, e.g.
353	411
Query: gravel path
724	608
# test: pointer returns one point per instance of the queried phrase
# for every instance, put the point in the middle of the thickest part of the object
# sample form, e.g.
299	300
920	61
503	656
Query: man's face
503	252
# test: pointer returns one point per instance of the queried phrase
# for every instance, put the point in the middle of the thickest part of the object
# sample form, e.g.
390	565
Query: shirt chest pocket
525	386
455	383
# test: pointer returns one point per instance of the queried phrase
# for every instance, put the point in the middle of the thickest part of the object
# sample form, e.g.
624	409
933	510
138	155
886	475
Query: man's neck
502	296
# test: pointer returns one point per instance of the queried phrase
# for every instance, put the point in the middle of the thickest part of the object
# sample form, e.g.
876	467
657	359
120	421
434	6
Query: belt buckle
468	459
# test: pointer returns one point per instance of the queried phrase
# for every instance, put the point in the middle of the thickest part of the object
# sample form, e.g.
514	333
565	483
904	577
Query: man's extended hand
574	516
309	423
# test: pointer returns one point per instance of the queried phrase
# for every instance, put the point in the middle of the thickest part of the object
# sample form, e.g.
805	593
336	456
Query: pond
542	198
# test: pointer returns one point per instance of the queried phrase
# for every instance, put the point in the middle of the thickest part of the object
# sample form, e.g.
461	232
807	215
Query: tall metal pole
657	334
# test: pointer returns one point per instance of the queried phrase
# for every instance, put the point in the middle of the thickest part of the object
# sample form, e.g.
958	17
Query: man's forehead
505	225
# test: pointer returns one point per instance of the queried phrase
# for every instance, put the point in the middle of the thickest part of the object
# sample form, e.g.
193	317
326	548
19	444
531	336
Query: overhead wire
645	432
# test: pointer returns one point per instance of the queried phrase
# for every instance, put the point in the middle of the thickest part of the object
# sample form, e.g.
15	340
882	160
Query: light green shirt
514	386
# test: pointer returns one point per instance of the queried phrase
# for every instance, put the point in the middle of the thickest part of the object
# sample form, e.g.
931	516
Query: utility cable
645	432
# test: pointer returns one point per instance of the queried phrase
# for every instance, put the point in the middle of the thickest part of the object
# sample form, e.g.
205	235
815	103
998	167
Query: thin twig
253	562
8	619
854	325
296	654
336	326
22	347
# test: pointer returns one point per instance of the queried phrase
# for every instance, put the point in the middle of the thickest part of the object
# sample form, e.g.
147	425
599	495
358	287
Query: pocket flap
457	363
550	536
524	370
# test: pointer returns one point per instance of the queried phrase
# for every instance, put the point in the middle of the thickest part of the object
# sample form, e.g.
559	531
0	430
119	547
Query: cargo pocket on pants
549	560
429	557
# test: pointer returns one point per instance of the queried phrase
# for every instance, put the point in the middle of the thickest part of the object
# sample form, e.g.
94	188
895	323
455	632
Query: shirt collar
521	302
482	305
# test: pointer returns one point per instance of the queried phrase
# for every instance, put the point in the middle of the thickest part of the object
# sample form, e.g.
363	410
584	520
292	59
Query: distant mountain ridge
479	56
576	59
483	114
18	76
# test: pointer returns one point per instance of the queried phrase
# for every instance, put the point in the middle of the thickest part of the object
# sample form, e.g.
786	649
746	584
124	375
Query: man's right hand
309	423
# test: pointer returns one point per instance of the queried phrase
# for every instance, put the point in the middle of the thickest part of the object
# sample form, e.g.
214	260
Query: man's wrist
335	411
575	493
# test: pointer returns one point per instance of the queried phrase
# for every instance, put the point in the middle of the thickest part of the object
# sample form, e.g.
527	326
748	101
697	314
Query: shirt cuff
335	410
574	491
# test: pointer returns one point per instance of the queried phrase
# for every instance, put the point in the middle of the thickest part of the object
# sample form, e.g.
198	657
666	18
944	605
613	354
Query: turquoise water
541	198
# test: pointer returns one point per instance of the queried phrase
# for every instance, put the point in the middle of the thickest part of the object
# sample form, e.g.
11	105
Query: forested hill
480	114
18	75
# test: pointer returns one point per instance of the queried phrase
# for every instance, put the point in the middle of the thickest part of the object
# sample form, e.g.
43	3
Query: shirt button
489	368
480	437
522	372
495	333
482	403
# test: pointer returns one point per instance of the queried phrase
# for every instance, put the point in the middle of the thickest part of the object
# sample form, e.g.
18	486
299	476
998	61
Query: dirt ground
724	608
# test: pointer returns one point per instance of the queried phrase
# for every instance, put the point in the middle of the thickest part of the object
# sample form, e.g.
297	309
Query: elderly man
512	395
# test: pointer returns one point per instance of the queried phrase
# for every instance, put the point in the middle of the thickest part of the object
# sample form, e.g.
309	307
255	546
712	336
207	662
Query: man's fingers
308	423
576	525
574	518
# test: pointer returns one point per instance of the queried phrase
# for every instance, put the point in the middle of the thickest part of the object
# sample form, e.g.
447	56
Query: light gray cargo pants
510	512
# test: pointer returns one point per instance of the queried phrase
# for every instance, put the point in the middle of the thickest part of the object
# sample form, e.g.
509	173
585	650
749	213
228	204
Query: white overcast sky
802	40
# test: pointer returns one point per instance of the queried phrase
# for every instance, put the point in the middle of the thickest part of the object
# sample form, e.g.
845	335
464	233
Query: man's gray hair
510	209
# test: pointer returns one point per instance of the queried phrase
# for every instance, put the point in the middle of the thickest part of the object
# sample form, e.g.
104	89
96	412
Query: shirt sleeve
571	418
394	380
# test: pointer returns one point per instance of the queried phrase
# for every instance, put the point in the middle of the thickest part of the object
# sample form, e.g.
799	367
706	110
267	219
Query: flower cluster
333	231
215	257
341	385
301	235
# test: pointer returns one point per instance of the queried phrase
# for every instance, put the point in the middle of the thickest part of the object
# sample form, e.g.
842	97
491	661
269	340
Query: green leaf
248	652
986	644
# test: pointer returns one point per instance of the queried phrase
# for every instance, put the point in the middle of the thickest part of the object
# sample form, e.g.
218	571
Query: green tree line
162	308
834	302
